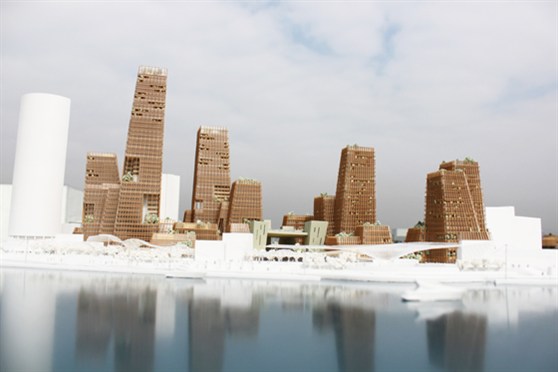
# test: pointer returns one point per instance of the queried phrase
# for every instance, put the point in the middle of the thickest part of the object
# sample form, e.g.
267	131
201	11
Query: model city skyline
128	206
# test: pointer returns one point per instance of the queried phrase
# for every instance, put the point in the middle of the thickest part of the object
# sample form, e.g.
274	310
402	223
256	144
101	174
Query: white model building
170	196
40	162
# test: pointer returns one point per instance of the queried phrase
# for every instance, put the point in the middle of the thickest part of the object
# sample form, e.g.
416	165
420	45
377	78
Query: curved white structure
40	162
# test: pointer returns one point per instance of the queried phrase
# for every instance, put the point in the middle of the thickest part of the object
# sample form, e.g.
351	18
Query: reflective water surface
63	321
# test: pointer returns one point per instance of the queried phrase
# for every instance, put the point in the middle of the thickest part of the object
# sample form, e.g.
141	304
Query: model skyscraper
245	201
140	191
355	199
212	179
452	212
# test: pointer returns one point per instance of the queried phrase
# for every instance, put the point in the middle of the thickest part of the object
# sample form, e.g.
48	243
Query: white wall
39	166
170	197
71	205
521	238
5	202
521	234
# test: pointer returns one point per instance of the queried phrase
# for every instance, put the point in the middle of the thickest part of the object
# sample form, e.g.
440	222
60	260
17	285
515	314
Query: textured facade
355	199
202	231
245	202
374	234
324	210
472	172
212	180
415	234
451	211
140	191
100	199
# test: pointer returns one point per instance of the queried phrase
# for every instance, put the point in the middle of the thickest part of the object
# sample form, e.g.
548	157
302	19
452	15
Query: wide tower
355	199
140	191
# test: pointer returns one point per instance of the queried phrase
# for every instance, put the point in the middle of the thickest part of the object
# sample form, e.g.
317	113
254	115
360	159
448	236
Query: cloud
296	81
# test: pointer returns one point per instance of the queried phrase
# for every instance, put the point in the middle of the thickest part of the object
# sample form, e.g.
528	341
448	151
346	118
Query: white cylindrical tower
39	166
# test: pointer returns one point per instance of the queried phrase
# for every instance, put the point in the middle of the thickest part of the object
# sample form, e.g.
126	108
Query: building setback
245	202
100	200
212	180
355	199
140	191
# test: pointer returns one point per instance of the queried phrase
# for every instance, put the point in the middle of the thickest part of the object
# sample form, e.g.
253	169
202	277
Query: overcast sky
295	82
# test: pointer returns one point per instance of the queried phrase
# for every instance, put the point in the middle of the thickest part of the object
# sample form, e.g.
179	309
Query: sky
296	81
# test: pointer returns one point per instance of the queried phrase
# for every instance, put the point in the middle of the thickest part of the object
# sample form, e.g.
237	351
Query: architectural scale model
351	213
100	200
296	221
39	165
355	199
223	234
129	206
454	208
324	210
212	177
137	215
245	202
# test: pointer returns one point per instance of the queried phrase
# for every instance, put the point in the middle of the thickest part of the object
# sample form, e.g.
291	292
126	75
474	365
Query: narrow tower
140	191
324	210
212	179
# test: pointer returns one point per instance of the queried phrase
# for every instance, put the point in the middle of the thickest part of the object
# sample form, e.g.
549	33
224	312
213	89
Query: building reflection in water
125	321
354	329
457	341
214	314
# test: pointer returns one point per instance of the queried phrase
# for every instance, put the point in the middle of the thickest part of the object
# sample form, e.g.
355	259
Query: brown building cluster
214	202
454	207
128	205
129	208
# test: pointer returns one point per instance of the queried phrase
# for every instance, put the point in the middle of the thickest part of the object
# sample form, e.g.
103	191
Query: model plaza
224	232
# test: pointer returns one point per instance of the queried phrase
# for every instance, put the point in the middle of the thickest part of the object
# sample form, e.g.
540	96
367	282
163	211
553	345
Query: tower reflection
212	316
354	329
457	341
125	320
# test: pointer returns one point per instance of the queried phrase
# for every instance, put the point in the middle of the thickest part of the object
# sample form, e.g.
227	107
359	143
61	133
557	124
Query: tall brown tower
212	179
355	199
140	191
100	199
